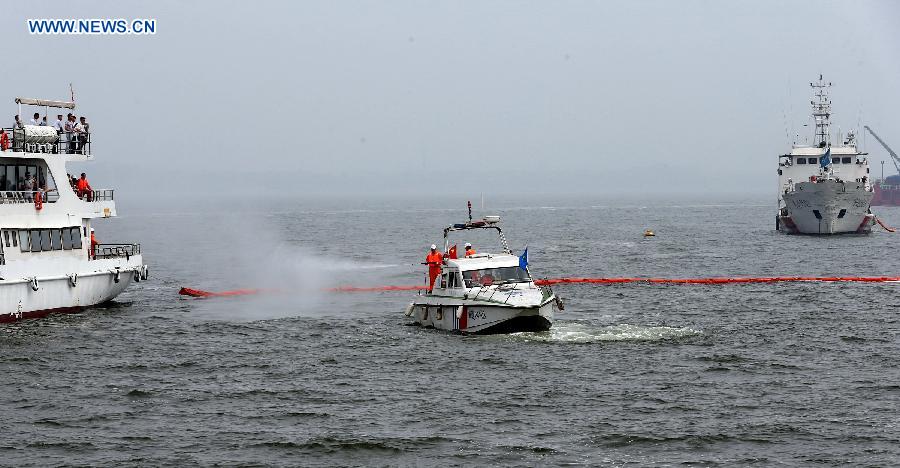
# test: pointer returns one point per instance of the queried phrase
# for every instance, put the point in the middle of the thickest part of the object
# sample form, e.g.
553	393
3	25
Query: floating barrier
765	279
199	293
886	227
556	281
237	292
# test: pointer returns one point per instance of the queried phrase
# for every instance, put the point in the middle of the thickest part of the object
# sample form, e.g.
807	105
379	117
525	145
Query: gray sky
457	97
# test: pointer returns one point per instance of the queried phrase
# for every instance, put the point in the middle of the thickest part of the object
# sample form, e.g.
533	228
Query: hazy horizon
458	98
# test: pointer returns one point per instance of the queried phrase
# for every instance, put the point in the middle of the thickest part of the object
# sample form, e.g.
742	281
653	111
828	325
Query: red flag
451	254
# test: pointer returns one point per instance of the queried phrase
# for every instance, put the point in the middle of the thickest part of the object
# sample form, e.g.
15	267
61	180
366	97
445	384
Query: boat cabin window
835	160
18	177
11	238
489	276
453	280
846	160
801	160
23	241
42	240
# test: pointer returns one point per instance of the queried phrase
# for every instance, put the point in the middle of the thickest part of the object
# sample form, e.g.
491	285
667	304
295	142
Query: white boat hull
23	298
827	207
482	318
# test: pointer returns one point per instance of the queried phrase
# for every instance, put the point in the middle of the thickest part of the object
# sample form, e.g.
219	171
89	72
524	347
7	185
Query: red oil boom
556	281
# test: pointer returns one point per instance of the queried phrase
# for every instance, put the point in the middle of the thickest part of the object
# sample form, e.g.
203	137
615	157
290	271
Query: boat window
55	239
801	160
836	161
67	238
15	238
35	235
444	280
6	237
453	280
45	239
76	238
23	240
489	276
846	160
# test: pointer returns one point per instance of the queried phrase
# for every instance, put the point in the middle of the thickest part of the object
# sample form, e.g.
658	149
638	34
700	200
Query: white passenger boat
47	261
824	188
484	293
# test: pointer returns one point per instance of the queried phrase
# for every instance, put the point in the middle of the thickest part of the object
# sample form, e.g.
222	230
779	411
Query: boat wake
575	332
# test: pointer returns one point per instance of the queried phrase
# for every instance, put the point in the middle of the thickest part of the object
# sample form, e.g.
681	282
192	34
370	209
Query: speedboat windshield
489	276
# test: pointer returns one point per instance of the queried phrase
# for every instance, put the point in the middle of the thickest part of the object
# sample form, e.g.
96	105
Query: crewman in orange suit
434	259
94	244
469	250
84	188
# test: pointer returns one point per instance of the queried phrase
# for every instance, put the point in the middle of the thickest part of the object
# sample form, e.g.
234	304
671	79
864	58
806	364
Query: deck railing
116	250
8	196
96	195
66	142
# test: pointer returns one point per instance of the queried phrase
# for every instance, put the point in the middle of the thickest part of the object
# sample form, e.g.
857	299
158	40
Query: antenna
821	112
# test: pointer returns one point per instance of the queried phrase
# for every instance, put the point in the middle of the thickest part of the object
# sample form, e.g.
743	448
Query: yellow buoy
649	233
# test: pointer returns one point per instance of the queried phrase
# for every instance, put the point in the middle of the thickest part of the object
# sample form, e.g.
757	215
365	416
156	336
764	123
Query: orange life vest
434	259
470	252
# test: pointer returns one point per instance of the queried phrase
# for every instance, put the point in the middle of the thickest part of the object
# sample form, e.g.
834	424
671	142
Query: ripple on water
575	332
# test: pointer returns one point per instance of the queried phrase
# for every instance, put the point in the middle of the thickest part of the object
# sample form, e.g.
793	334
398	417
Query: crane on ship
894	158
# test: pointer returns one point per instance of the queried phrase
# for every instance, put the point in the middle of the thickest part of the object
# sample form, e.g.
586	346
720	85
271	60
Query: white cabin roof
483	261
816	151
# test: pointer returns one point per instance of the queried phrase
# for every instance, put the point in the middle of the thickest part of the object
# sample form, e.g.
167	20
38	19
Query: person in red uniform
94	244
84	188
434	259
469	250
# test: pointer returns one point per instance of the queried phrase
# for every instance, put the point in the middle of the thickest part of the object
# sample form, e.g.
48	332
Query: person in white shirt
44	121
37	119
84	137
79	135
19	125
60	129
28	186
69	128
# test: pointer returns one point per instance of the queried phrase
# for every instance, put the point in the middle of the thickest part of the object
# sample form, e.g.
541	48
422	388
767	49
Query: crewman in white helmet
470	250
434	259
94	243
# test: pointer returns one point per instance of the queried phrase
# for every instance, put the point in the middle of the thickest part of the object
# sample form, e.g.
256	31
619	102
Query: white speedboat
824	188
484	293
47	260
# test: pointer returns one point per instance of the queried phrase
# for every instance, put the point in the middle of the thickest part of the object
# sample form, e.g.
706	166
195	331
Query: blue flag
826	159
523	259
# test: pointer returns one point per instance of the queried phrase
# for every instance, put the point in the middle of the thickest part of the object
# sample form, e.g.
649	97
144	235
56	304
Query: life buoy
145	272
34	284
73	280
116	277
137	275
38	200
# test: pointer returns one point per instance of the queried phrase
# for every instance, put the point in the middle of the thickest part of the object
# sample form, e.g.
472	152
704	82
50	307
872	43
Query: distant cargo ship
887	189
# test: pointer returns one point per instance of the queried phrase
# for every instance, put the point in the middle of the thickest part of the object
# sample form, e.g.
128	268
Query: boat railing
64	143
19	196
103	195
116	250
